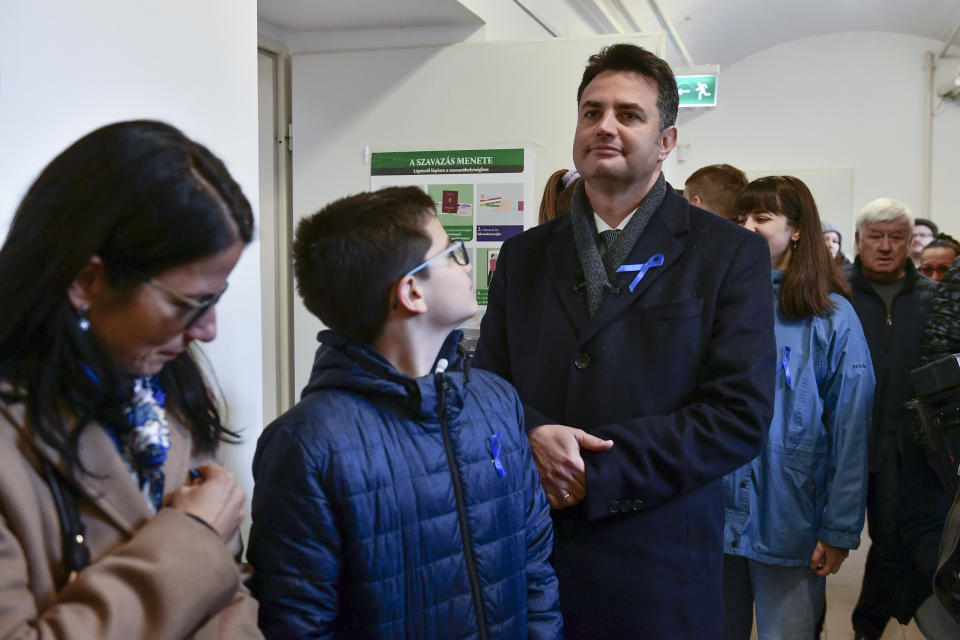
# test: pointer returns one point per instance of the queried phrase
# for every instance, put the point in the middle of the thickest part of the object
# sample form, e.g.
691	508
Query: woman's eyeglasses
198	307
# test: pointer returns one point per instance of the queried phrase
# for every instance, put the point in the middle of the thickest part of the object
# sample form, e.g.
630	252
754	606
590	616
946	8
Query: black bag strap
76	554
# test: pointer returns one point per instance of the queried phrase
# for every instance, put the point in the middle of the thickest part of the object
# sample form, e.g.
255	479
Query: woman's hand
215	498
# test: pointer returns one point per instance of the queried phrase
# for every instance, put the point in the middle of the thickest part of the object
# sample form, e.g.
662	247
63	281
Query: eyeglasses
199	307
457	250
922	234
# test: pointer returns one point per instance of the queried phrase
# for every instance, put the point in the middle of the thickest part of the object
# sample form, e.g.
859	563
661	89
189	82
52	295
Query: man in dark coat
646	373
892	300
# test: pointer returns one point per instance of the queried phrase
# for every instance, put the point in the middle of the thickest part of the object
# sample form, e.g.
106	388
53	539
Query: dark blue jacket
678	373
392	507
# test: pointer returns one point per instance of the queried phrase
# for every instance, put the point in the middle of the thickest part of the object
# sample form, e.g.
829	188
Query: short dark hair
944	241
718	185
145	199
630	57
348	255
812	274
930	224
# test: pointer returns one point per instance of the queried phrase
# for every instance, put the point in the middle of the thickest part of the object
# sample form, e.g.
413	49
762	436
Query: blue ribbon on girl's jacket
785	365
655	261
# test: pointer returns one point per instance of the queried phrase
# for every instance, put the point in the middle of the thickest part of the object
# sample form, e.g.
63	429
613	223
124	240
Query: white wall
851	100
68	67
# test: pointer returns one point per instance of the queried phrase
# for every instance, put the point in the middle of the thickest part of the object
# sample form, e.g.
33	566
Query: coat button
637	505
743	484
614	507
734	543
625	506
582	361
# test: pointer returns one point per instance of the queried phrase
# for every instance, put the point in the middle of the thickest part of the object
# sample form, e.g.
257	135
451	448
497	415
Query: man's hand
556	450
827	559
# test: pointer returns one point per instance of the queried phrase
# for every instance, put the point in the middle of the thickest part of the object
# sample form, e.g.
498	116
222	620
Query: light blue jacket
810	481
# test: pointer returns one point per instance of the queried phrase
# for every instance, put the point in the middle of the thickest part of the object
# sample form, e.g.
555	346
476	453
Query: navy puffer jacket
392	507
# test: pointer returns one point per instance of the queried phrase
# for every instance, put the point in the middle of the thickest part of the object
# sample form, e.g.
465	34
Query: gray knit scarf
585	236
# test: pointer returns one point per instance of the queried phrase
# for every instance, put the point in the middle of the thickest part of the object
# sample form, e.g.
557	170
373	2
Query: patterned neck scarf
585	237
144	439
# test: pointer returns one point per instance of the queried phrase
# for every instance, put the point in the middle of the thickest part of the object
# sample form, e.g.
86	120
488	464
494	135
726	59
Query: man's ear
668	140
856	240
697	202
409	296
87	283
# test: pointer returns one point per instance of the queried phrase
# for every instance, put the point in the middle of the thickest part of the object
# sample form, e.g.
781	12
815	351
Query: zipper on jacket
468	556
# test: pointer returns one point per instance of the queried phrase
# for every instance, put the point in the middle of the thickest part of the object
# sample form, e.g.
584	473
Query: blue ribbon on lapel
785	365
655	261
495	443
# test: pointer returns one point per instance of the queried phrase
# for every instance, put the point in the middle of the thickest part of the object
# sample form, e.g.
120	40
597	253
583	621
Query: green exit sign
697	91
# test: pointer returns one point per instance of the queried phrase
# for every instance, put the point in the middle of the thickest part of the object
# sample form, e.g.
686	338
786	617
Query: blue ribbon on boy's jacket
495	444
655	261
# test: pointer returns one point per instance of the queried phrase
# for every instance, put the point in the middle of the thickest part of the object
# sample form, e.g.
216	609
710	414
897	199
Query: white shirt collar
603	226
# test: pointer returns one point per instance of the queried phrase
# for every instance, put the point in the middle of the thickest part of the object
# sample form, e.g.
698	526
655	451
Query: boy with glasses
399	497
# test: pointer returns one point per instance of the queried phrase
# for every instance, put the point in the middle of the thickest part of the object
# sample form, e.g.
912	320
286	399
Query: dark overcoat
679	373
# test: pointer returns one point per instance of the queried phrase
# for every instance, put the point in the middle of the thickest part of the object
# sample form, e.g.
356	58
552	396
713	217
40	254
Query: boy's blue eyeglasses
457	250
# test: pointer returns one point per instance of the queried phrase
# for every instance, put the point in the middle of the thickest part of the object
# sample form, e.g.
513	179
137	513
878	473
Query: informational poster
481	196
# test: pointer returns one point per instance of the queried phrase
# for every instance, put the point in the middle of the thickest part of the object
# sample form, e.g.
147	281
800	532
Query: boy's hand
827	559
556	450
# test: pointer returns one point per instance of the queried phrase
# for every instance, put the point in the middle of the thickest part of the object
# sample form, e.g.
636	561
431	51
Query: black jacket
894	337
678	372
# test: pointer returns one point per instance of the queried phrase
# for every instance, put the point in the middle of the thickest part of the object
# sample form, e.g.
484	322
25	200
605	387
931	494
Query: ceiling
713	31
341	15
724	31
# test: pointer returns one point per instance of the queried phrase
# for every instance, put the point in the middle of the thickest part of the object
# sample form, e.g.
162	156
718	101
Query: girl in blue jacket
794	512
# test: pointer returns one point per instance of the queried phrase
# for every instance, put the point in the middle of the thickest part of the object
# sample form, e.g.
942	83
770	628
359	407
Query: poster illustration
454	209
481	196
499	211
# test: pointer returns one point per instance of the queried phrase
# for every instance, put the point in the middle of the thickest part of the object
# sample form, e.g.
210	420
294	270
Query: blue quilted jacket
392	507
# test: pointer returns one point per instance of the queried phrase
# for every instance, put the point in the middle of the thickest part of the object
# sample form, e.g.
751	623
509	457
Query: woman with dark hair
936	257
793	513
114	520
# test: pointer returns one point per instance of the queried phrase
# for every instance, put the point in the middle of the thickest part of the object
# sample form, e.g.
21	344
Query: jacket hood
345	364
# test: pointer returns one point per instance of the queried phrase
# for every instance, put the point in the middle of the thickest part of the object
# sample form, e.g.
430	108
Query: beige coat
164	576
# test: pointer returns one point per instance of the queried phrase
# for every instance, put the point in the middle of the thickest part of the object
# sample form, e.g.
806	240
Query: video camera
934	417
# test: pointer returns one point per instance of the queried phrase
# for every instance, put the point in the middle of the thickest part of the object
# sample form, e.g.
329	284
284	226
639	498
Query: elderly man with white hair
892	300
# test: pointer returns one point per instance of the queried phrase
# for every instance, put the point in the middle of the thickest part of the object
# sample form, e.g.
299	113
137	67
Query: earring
796	245
83	321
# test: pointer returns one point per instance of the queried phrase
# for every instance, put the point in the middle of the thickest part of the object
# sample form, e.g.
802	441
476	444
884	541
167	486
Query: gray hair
884	210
